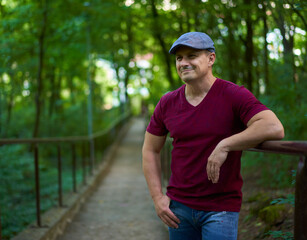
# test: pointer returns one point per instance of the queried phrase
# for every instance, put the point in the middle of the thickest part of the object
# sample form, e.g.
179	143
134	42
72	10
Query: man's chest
213	119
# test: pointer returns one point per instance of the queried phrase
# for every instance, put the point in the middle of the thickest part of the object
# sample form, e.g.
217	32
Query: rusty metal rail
298	148
83	140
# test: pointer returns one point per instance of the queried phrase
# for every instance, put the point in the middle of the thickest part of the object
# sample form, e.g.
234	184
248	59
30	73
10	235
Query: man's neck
196	89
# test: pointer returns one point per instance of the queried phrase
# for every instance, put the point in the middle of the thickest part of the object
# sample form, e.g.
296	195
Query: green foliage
273	214
290	199
280	235
17	186
17	182
275	170
76	35
288	101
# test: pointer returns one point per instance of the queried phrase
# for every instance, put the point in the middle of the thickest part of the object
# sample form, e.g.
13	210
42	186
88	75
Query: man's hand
152	171
163	211
215	161
263	126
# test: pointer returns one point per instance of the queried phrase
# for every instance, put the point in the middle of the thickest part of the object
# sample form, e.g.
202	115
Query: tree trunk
257	91
130	52
196	9
71	89
53	89
249	48
300	15
10	102
231	51
266	58
189	27
1	105
1	9
41	41
158	36
287	43
57	96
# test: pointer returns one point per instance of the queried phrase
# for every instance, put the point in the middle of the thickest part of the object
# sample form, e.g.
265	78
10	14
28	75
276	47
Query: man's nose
184	62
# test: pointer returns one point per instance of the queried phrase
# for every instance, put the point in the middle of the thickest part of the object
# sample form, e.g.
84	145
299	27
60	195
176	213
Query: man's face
193	63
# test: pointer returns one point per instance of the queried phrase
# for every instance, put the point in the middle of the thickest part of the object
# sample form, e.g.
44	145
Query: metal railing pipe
60	176
37	187
282	147
298	148
83	164
86	161
90	162
74	180
0	225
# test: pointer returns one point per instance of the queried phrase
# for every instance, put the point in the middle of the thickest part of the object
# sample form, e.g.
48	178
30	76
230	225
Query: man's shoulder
229	85
172	95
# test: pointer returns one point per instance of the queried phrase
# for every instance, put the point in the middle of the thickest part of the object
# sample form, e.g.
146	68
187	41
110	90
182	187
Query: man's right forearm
152	172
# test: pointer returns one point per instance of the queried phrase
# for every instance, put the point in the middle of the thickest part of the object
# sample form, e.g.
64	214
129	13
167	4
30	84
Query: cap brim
175	48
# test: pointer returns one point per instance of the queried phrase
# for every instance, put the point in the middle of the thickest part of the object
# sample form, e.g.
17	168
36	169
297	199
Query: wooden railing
88	157
298	148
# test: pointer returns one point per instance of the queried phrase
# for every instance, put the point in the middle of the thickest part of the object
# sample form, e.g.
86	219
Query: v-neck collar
203	100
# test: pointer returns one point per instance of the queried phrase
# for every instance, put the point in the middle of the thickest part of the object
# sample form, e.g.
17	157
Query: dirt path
121	208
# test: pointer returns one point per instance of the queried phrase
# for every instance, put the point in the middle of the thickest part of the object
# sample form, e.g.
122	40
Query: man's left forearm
262	127
257	132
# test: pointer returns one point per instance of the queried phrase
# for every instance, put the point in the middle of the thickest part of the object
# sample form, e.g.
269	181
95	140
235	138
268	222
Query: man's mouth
186	69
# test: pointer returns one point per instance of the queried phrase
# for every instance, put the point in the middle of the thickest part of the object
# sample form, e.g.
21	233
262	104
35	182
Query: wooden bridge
114	203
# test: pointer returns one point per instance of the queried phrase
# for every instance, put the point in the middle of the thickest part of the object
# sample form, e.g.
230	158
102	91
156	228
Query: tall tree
43	4
157	32
265	47
249	45
287	31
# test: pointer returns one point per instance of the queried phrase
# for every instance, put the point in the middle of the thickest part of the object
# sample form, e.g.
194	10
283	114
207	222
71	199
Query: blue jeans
202	225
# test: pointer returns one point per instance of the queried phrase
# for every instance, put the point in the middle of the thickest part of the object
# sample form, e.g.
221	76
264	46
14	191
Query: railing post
0	225
37	187
91	166
60	175
300	211
83	164
92	155
73	149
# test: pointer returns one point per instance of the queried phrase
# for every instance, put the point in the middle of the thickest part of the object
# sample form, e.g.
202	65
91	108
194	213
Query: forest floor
255	197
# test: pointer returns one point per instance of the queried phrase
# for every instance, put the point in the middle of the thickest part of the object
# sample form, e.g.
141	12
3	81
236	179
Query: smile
186	69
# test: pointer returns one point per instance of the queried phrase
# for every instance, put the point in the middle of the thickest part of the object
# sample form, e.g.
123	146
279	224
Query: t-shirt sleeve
247	105
156	125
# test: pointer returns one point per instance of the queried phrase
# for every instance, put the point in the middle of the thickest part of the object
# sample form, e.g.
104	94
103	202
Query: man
211	121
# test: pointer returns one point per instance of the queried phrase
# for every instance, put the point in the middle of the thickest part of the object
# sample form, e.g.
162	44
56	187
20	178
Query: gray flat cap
197	40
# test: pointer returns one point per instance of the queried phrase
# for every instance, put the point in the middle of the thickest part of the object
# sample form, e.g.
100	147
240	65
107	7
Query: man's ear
211	59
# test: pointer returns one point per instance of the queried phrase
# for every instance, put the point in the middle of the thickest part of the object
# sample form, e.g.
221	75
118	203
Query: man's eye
178	58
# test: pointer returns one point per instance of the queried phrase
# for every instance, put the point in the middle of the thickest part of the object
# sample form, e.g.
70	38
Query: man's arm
262	127
152	171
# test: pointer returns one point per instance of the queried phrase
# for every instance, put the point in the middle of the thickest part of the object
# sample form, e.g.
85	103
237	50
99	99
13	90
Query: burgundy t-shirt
196	131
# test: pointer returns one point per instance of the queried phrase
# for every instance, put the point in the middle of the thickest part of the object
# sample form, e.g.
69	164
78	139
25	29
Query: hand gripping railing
298	148
73	141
